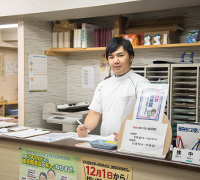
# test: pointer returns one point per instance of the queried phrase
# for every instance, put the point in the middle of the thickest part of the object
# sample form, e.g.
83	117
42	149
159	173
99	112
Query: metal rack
184	99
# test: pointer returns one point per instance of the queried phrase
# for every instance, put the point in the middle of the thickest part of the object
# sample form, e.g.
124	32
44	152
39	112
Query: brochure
151	101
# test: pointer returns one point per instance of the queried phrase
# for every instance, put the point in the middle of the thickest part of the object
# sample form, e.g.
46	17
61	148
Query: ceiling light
3	26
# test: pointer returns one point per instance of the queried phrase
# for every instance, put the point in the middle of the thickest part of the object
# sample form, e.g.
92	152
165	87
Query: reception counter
143	167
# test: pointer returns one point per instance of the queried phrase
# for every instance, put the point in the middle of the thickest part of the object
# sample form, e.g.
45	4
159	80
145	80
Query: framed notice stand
168	136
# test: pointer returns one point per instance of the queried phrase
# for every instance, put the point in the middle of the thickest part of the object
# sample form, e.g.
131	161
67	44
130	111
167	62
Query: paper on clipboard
50	137
150	103
27	133
7	124
89	137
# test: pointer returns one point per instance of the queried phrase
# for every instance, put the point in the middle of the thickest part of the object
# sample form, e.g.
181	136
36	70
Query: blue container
11	112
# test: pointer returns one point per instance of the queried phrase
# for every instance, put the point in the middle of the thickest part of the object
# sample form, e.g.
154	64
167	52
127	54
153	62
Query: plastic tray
103	144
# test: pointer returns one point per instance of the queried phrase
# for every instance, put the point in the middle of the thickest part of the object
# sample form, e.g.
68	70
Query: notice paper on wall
104	67
88	77
16	67
9	67
37	72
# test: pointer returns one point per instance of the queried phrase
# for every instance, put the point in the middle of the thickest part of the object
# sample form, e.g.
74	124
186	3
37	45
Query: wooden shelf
66	51
8	102
12	116
7	45
4	103
167	45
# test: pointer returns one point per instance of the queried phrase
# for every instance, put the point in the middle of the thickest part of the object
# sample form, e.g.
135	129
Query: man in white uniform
114	97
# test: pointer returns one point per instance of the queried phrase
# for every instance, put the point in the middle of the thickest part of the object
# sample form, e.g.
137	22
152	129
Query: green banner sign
40	165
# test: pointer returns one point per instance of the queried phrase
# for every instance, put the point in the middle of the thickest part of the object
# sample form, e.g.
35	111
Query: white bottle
147	40
165	38
157	39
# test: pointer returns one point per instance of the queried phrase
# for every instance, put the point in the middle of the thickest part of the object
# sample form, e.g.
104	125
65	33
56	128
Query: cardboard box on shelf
172	36
146	29
120	24
68	39
65	25
176	20
54	40
62	39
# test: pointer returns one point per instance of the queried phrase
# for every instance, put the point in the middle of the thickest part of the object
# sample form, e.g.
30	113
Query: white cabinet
156	74
184	93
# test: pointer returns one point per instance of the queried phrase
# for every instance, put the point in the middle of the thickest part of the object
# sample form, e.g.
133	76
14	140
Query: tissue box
193	37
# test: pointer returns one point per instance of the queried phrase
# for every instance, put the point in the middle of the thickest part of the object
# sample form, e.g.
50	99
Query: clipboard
168	137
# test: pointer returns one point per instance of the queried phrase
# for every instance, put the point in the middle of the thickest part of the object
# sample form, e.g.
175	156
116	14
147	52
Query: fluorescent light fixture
4	26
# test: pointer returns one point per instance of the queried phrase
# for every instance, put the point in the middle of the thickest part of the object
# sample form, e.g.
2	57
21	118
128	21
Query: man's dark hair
51	170
44	174
117	42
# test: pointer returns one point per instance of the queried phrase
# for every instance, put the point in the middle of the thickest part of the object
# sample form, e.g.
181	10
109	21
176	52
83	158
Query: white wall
35	6
9	34
9	87
49	10
37	38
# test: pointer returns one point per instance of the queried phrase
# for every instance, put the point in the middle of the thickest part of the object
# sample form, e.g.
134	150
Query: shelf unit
184	99
141	70
66	51
156	74
4	104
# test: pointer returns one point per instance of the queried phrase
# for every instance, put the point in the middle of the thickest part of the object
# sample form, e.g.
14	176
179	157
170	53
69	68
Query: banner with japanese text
40	165
95	169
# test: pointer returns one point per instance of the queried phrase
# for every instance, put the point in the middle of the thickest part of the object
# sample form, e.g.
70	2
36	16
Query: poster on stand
38	165
96	169
151	101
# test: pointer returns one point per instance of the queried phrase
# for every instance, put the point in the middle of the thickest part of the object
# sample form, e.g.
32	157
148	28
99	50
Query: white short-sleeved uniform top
115	99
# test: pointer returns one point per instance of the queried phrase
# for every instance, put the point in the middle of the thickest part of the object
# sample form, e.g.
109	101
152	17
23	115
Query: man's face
51	175
119	61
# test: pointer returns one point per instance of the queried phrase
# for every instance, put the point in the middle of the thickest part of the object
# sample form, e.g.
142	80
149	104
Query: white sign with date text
144	137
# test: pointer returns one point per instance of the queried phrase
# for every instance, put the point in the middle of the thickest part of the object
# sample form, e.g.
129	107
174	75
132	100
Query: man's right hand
82	131
92	120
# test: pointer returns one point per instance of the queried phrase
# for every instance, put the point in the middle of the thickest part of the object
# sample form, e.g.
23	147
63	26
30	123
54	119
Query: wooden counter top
69	144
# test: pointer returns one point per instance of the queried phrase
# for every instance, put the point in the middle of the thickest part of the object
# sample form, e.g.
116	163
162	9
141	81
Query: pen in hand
83	126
